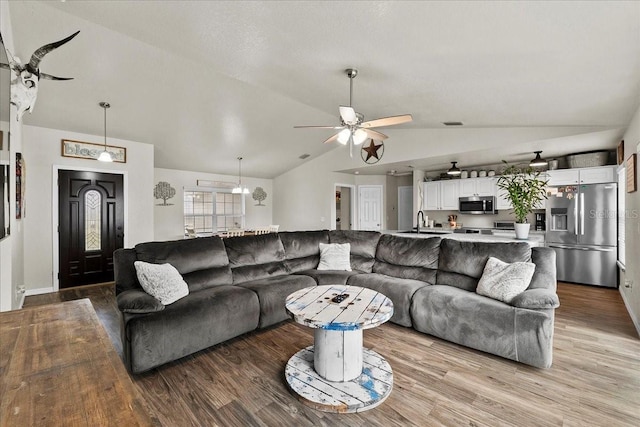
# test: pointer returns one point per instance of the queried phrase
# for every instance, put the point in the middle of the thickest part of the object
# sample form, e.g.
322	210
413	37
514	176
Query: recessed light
357	172
452	123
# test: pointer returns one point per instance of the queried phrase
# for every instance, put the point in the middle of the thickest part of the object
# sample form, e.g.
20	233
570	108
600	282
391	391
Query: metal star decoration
373	152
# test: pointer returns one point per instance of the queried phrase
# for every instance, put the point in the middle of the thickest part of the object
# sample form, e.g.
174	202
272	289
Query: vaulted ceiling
205	82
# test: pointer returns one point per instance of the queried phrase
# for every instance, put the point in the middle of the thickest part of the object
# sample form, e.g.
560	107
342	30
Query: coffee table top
362	309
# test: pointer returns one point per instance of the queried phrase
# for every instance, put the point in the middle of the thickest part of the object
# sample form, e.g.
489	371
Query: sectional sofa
239	284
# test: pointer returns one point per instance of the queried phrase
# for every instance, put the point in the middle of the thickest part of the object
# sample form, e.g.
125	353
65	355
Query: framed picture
631	174
620	152
88	150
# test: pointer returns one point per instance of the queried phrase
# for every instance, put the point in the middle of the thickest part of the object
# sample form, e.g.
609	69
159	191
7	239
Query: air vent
304	156
452	123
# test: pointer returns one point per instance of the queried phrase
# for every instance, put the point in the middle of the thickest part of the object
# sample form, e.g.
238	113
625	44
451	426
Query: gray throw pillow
503	281
161	281
335	256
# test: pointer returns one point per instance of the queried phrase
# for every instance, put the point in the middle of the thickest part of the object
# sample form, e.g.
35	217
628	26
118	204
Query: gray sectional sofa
239	284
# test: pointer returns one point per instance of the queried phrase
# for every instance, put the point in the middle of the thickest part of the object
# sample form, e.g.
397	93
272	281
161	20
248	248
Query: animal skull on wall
24	84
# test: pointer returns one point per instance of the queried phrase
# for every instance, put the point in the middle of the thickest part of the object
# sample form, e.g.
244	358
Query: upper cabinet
477	187
595	175
441	195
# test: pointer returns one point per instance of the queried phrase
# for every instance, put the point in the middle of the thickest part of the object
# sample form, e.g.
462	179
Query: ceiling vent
452	123
304	156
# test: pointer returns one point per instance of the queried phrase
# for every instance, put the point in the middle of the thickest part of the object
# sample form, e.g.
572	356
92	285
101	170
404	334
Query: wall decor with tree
163	190
259	195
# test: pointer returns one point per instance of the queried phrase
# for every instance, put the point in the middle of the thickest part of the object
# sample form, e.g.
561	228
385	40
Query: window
622	191
92	220
211	211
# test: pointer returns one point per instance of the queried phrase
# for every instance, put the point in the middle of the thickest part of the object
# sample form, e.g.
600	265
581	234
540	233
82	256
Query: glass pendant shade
454	170
343	136
240	189
105	156
359	136
538	161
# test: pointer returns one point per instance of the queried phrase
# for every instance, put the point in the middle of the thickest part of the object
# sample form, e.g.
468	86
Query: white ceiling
206	82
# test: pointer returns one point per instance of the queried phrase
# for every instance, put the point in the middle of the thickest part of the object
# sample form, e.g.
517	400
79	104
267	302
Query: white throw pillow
335	256
161	281
503	281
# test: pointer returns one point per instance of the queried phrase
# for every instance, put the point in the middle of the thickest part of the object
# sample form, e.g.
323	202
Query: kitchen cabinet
441	195
596	175
477	187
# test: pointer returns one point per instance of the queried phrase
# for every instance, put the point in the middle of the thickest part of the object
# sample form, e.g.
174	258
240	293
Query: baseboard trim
634	319
39	291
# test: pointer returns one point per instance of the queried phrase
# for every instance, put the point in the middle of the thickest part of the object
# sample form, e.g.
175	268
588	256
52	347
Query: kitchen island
536	238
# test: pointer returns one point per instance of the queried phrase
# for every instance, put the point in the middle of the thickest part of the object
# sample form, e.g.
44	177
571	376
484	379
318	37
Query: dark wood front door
91	226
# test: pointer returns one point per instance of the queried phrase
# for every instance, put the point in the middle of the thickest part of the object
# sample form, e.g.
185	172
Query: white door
370	207
405	207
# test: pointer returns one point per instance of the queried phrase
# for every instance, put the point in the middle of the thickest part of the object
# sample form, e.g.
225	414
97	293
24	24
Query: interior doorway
344	207
90	226
370	207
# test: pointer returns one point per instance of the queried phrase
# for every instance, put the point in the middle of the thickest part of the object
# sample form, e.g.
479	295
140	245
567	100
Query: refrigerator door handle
582	214
575	217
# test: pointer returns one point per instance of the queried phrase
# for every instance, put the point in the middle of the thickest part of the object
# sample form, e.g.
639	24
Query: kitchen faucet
420	213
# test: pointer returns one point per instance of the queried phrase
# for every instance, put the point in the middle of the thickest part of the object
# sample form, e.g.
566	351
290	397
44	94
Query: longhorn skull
24	85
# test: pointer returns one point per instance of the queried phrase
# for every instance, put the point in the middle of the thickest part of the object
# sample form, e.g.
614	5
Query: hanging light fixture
537	161
240	189
454	170
105	156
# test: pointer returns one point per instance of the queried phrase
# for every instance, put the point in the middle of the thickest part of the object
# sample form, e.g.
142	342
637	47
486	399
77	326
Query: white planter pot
522	231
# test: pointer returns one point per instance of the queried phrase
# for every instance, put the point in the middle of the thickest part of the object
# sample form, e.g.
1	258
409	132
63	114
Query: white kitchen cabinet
477	187
502	203
441	195
594	175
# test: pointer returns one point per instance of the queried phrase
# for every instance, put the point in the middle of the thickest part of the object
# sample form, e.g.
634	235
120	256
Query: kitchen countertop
536	238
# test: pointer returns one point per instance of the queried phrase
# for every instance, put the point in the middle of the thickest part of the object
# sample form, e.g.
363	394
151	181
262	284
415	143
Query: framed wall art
89	150
632	179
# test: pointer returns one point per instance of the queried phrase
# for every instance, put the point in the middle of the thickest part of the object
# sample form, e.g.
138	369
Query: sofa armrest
136	301
536	299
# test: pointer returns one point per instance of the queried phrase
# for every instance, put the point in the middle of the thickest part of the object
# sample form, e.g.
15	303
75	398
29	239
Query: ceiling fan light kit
355	131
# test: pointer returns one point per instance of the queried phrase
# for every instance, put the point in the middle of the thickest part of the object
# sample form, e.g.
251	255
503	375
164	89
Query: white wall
631	294
11	247
41	150
169	223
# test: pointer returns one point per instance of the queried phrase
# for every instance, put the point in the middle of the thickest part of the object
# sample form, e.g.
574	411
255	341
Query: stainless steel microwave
478	205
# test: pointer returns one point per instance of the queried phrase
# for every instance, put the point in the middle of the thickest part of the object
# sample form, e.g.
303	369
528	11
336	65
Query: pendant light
105	156
538	161
240	189
454	169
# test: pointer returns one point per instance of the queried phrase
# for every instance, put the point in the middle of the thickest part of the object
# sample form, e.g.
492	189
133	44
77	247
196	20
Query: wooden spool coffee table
337	374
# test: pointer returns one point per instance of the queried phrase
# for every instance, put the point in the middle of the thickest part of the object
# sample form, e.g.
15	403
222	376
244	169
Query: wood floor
594	380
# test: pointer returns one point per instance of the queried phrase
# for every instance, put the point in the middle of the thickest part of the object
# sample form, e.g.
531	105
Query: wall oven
477	205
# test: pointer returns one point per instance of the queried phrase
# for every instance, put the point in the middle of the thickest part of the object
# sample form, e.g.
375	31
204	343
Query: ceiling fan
352	128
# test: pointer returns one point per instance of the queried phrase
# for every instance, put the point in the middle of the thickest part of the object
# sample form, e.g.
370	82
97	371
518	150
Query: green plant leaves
524	189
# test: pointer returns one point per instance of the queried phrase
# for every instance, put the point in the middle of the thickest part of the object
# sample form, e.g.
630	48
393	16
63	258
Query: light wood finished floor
595	378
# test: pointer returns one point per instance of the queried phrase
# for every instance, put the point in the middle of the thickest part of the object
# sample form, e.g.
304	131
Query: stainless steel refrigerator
582	229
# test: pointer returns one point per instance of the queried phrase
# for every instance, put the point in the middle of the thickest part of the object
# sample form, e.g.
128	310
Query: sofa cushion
335	256
465	318
301	248
399	291
272	293
461	263
503	281
197	321
202	262
407	257
161	281
255	257
363	246
329	277
545	275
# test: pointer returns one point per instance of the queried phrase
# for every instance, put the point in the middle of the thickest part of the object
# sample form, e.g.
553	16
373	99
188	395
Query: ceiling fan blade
331	139
348	115
388	121
318	127
375	135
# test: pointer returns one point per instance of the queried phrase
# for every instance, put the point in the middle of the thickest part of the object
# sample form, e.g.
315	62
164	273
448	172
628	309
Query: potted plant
525	190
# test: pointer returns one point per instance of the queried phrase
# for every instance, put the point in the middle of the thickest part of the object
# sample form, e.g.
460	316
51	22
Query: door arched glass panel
92	220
